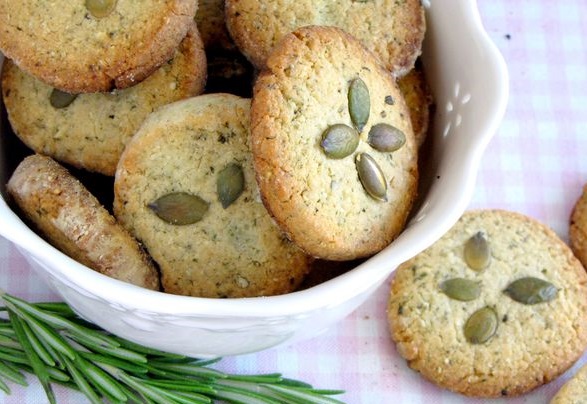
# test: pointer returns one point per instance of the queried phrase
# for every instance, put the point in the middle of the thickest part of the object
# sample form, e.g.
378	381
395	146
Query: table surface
534	165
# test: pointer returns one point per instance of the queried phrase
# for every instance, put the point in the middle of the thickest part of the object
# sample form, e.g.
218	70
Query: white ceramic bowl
469	81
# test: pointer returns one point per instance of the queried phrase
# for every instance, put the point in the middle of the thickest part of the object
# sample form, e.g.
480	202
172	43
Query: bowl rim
364	277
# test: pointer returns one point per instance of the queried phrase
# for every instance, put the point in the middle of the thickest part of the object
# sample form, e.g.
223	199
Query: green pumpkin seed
60	99
461	289
386	138
530	290
371	177
359	103
230	184
481	326
179	208
339	141
477	252
100	8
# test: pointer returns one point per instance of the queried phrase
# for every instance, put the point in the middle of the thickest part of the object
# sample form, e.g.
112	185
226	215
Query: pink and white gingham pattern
534	165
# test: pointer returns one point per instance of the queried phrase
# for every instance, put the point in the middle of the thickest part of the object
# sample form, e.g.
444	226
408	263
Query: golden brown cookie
91	130
496	307
81	46
419	100
392	30
74	221
574	391
336	206
578	228
185	187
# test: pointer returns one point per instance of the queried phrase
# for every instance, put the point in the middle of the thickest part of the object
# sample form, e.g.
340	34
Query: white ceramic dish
469	81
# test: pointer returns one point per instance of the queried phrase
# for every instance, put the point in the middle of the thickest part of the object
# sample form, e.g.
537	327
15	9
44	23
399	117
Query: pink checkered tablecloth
534	165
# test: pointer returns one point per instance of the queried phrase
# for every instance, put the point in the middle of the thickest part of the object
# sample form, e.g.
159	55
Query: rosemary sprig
49	340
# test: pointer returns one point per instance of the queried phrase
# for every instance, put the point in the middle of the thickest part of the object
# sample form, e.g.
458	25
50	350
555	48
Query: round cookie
516	321
419	100
206	243
92	131
77	50
578	228
74	221
320	201
392	30
574	391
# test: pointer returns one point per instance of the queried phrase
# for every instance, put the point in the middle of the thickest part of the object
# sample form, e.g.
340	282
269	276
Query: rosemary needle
49	340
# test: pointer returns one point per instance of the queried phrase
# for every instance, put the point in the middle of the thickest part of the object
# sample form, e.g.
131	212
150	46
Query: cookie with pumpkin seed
90	130
496	307
93	45
73	220
185	187
333	147
392	30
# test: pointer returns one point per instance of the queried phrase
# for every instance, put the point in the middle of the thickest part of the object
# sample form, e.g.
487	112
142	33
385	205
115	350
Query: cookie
73	221
419	100
578	228
574	391
392	30
185	187
496	307
91	130
94	45
335	206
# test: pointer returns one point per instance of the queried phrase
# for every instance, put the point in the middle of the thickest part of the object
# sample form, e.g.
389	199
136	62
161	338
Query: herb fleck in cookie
496	307
90	46
74	221
333	146
185	187
392	30
574	391
90	130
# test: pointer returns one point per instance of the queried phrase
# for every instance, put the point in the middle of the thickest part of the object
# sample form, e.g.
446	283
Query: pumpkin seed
179	208
461	289
477	252
60	99
100	8
481	326
230	184
530	290
371	177
339	141
359	103
386	138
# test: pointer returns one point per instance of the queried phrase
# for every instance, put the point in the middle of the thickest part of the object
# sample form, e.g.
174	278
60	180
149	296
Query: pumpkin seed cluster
340	140
482	324
182	208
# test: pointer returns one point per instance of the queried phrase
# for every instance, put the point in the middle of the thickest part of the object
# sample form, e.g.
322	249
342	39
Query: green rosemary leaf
184	385
185	398
59	323
4	387
146	350
9	372
101	380
13	355
121	364
59	308
240	396
117	352
303	395
294	383
36	363
266	378
188	369
8	342
58	375
148	391
39	348
81	383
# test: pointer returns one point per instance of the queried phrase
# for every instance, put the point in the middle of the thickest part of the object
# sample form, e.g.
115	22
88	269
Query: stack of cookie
230	196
